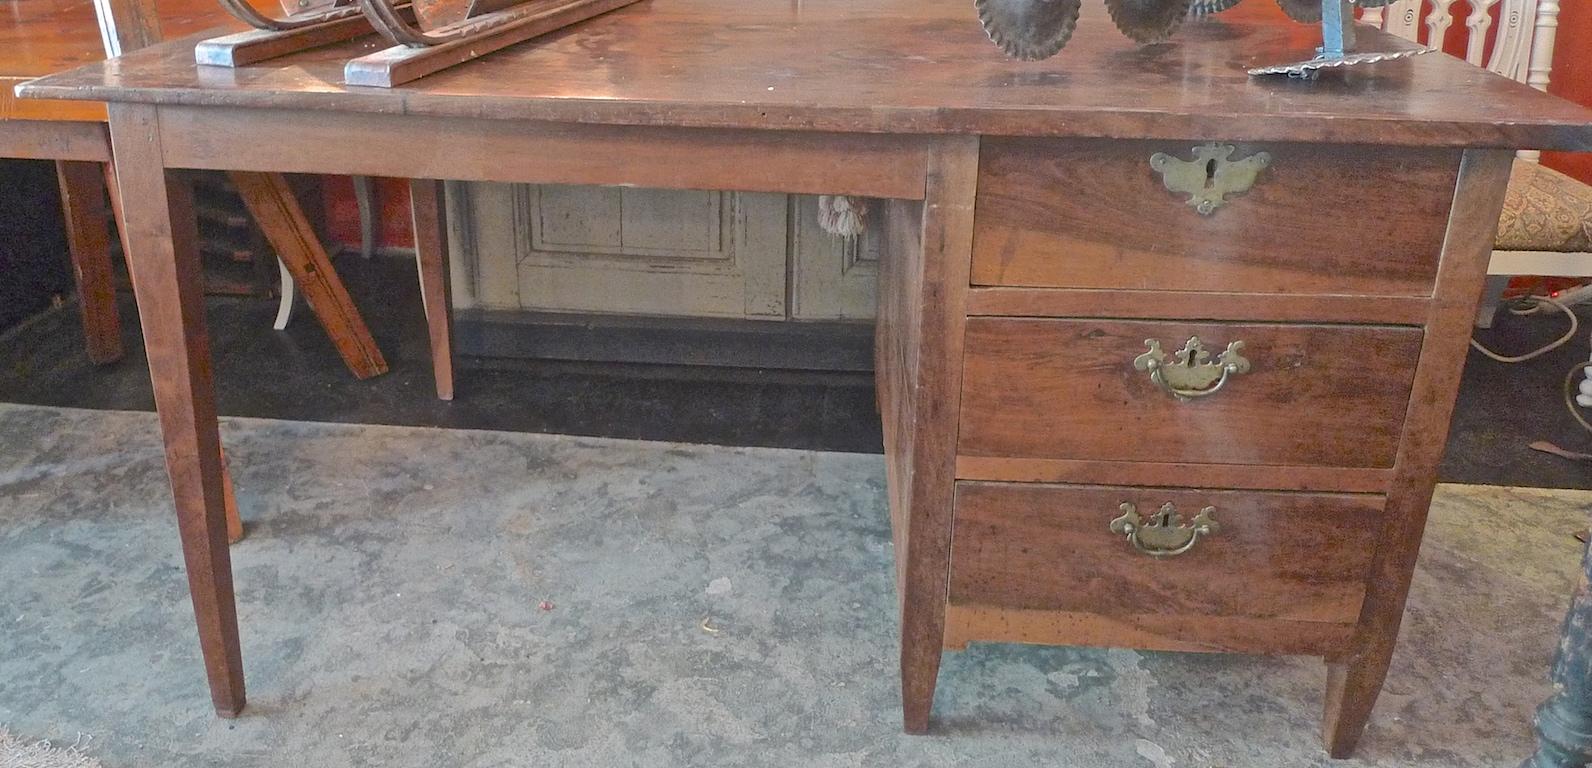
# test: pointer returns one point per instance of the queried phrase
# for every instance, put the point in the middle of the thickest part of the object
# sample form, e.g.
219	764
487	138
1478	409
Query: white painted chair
1547	223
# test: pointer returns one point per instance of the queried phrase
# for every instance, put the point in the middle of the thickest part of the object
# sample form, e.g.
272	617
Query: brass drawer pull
1191	374
1165	535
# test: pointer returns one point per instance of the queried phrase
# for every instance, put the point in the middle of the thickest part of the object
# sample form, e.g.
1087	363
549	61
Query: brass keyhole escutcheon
1211	177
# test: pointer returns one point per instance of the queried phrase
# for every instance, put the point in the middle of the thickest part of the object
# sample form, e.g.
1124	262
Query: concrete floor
426	597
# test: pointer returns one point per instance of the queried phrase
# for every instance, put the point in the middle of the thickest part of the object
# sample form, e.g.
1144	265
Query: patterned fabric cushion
1545	211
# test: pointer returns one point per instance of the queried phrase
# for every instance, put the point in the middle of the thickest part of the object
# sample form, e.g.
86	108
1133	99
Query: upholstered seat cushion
1545	211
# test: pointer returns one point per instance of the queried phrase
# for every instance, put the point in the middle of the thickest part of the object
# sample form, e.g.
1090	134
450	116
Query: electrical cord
1537	304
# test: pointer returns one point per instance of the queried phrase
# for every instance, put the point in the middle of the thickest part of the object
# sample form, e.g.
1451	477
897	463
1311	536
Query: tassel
842	216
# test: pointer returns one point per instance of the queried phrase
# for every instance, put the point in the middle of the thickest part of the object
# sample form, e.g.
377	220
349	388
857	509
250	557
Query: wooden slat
54	140
257	45
431	148
1196	305
533	18
965	624
1027	470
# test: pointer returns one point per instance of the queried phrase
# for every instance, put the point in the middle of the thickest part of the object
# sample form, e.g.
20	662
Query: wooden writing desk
1032	250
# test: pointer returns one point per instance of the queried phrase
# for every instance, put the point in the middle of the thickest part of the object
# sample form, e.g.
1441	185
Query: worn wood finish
1068	389
54	140
253	46
1252	476
272	203
890	101
894	66
1271	239
39	37
663	158
1355	680
1153	632
83	202
167	279
431	259
1197	305
517	24
920	385
1277	556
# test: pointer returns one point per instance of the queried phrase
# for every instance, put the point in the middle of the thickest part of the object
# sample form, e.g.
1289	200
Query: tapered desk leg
924	311
431	258
1355	681
234	522
164	261
88	238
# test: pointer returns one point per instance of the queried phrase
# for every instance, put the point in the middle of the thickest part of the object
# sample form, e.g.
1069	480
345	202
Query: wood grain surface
40	37
1319	395
1053	214
899	66
1287	556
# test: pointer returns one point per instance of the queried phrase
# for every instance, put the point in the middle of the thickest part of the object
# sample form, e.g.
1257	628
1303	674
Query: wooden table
39	37
1031	250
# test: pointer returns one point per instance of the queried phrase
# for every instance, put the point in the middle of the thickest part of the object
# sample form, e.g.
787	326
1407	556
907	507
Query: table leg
1564	722
276	210
88	238
163	258
431	258
935	311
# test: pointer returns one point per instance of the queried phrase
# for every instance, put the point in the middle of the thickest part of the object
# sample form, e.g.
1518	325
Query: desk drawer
1315	395
1043	563
1317	220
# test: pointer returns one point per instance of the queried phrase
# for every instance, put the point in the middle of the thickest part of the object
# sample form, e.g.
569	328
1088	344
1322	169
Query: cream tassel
842	216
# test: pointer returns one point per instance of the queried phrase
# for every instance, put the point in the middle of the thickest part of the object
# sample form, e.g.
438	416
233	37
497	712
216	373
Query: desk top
890	66
38	37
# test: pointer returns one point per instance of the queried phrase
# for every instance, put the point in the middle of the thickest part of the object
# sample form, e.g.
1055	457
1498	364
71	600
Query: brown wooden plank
1197	305
83	201
1315	395
1255	477
899	66
1355	680
524	21
1292	557
743	161
54	140
1051	215
271	201
168	282
428	207
932	387
1212	634
238	49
